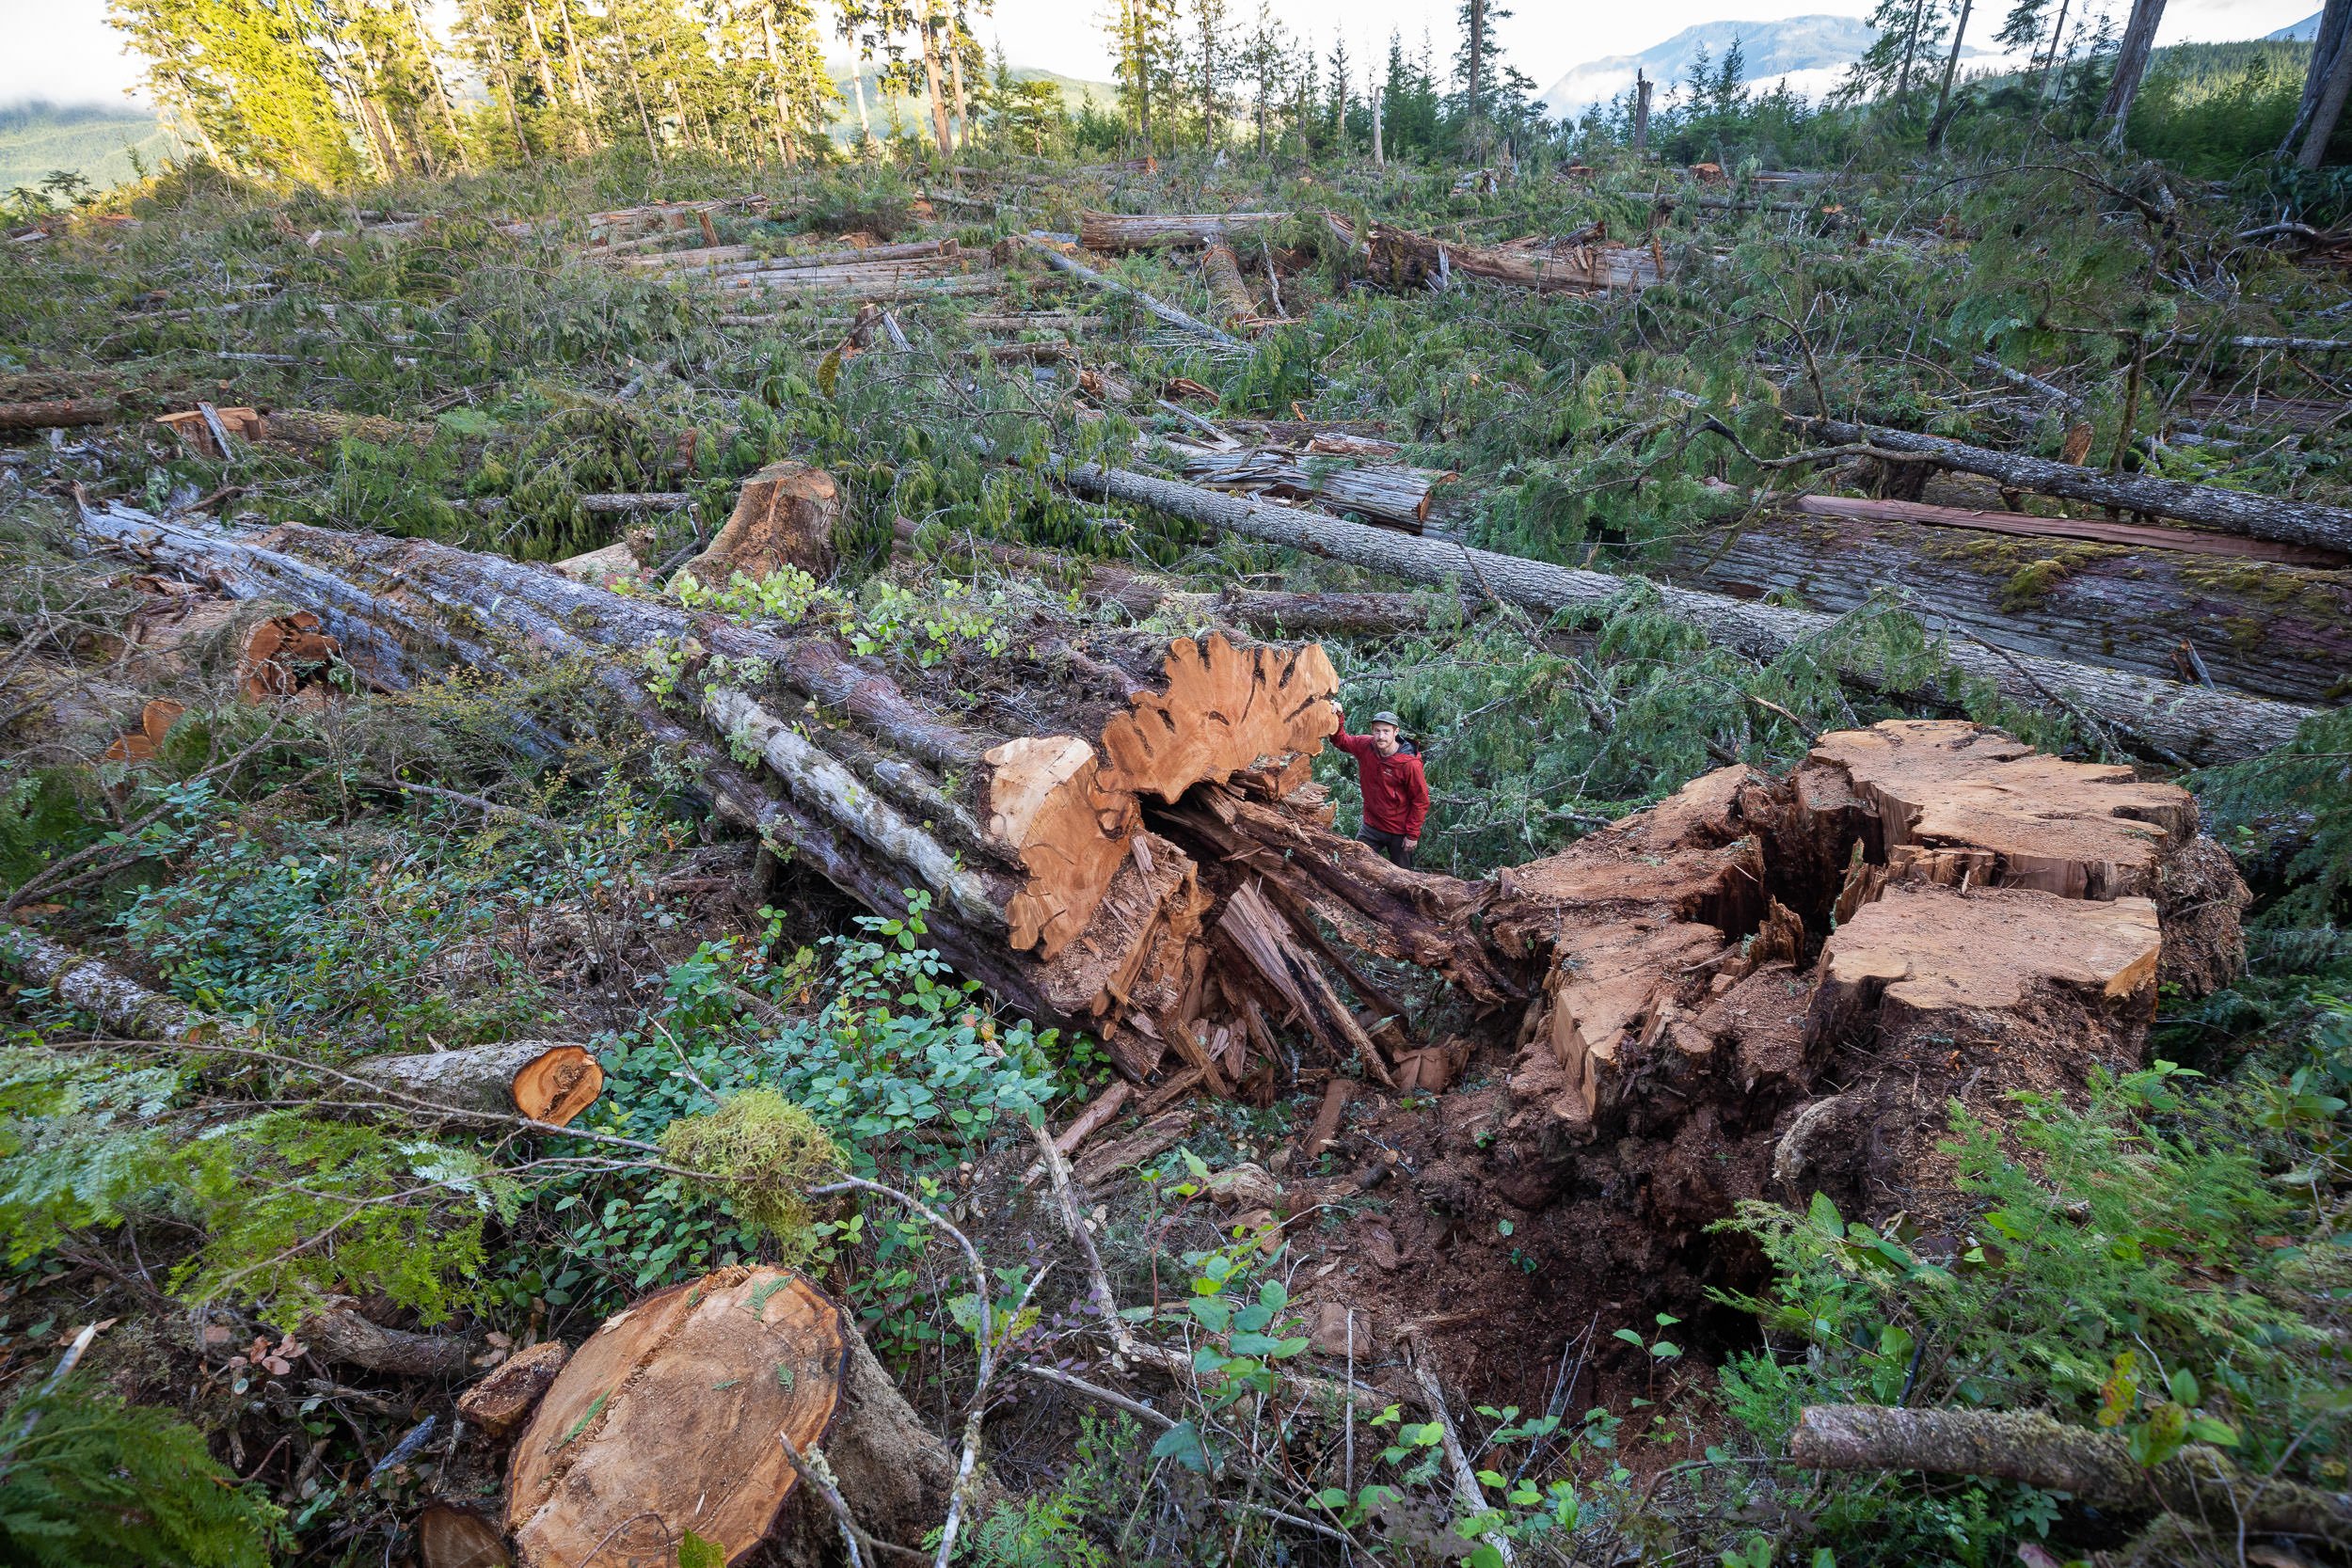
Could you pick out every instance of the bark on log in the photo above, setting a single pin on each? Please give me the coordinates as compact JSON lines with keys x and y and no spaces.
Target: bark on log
{"x":2274,"y":631}
{"x":666,"y":1421}
{"x":2093,"y":530}
{"x":51,"y":416}
{"x":2236,"y":510}
{"x":119,"y":1002}
{"x":2194,"y":725}
{"x":343,"y":1335}
{"x":846,"y":277}
{"x":1108,"y":233}
{"x":2199,"y":1482}
{"x":1158,"y":308}
{"x":724,"y":259}
{"x":1383,"y":491}
{"x":1222,"y":269}
{"x":1141,"y":596}
{"x":1053,"y":887}
{"x":549,"y":1081}
{"x":1403,"y":260}
{"x":783,"y":517}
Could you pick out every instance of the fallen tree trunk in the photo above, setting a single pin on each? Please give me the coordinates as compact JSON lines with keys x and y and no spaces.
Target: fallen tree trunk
{"x":50,"y":416}
{"x":1158,"y":308}
{"x":2258,"y":516}
{"x":549,"y":1081}
{"x":1221,"y":268}
{"x":2272,"y":631}
{"x":2197,"y":726}
{"x":2096,"y":1467}
{"x":1144,"y":594}
{"x":2091,"y":529}
{"x":119,"y":1002}
{"x":1403,"y":260}
{"x":731,"y":259}
{"x":1107,"y":232}
{"x":1061,"y":874}
{"x":1384,"y":492}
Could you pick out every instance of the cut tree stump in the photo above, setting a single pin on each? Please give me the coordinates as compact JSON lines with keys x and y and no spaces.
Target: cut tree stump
{"x":1953,"y":803}
{"x":549,"y":1081}
{"x":785,"y":517}
{"x":666,"y":1421}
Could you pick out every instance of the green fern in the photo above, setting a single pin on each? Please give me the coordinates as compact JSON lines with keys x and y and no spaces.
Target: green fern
{"x":89,"y":1482}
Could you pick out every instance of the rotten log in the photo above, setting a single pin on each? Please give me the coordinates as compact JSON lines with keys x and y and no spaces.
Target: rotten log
{"x":2268,"y":630}
{"x":783,"y":517}
{"x":2258,"y":516}
{"x":1403,"y":260}
{"x":1986,"y":919}
{"x":2187,"y":722}
{"x":54,"y":414}
{"x":1158,"y":308}
{"x":1108,"y":233}
{"x":549,"y":1081}
{"x":2095,"y":1468}
{"x":1383,"y":491}
{"x":667,"y":1419}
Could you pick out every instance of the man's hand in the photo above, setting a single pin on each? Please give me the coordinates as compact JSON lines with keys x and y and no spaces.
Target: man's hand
{"x":1411,"y":844}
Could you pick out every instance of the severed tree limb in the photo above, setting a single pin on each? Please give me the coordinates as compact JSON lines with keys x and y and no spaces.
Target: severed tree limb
{"x":2200,"y":725}
{"x":2199,"y":1482}
{"x":340,"y":1334}
{"x":95,"y":986}
{"x":1157,"y":308}
{"x":1467,"y":1496}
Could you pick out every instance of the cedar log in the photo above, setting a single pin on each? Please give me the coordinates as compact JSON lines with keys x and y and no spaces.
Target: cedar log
{"x":2194,"y":725}
{"x":2258,"y":516}
{"x":50,"y":416}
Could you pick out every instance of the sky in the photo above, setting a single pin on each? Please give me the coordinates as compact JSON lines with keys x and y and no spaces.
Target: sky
{"x":63,"y":51}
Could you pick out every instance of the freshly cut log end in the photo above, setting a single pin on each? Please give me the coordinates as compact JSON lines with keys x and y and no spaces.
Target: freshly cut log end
{"x":666,"y":1421}
{"x":155,"y":722}
{"x":785,"y":517}
{"x":285,"y":656}
{"x":558,"y":1085}
{"x":550,"y":1080}
{"x":1047,"y":804}
{"x":1225,"y":707}
{"x":503,"y":1400}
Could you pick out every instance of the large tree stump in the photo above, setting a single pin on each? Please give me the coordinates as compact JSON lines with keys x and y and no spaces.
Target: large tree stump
{"x":784,"y":517}
{"x":666,"y":1421}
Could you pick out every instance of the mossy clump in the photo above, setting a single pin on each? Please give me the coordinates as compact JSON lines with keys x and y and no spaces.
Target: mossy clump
{"x":760,"y":1153}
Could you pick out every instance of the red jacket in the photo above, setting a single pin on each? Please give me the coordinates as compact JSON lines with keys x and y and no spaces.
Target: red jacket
{"x":1396,"y":792}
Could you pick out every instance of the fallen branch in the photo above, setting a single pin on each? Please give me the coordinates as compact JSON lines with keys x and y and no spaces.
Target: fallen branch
{"x":2094,"y":1467}
{"x":1157,"y":308}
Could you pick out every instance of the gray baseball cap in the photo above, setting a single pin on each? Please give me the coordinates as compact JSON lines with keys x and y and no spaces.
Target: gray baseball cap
{"x":1385,"y":717}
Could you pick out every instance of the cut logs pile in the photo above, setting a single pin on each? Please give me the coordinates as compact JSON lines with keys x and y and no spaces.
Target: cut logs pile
{"x":1124,"y":841}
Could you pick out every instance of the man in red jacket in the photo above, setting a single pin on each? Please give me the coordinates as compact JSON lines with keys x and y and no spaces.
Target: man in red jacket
{"x":1397,"y":793}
